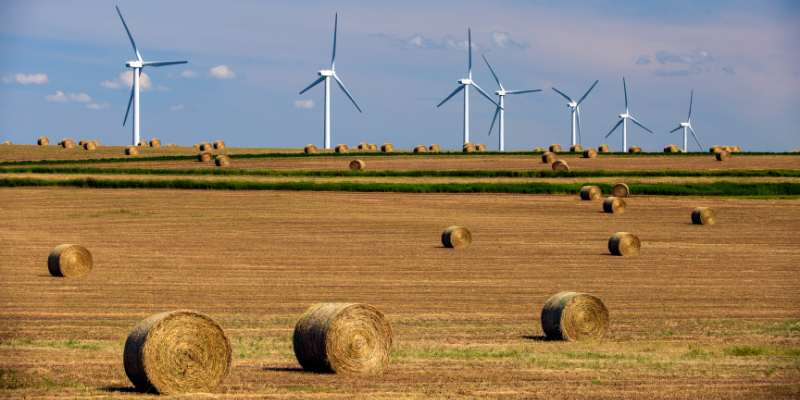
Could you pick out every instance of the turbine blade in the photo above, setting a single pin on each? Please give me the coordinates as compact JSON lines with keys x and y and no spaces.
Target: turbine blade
{"x":486,"y":95}
{"x":341,"y":85}
{"x":523,"y":91}
{"x":469,"y":44}
{"x":493,"y":74}
{"x":587,"y":92}
{"x":163,"y":63}
{"x":578,"y":111}
{"x":460,"y":87}
{"x":625,"y":88}
{"x":615,"y":127}
{"x":695,"y":138}
{"x":691,"y":98}
{"x":138,"y":57}
{"x":637,"y":123}
{"x":321,"y":78}
{"x":335,"y":27}
{"x":679,"y":127}
{"x":497,"y":111}
{"x":129,"y":107}
{"x":565,"y":96}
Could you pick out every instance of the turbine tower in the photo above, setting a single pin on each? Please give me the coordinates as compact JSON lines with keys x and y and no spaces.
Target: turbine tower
{"x":464,"y":85}
{"x":623,"y":121}
{"x":688,"y":124}
{"x":502,"y":93}
{"x":325,"y":75}
{"x":576,"y":112}
{"x":137,"y":69}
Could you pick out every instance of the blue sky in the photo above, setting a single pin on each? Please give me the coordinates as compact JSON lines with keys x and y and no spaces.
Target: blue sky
{"x":61,"y":66}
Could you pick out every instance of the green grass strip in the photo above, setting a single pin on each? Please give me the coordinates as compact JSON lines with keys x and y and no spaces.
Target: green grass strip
{"x":768,"y":173}
{"x":690,"y":189}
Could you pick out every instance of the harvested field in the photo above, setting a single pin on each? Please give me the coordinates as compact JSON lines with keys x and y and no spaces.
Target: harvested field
{"x":701,"y":312}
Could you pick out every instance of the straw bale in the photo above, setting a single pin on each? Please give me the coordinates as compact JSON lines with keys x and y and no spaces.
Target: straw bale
{"x":728,"y":148}
{"x":142,"y":144}
{"x":576,"y":148}
{"x":206,"y":147}
{"x":624,"y":244}
{"x":68,"y":144}
{"x":574,"y":316}
{"x":555,"y":148}
{"x":70,"y":261}
{"x":480,"y":147}
{"x":223,"y":161}
{"x":591,"y":193}
{"x":634,"y":149}
{"x":469,"y":144}
{"x":155,"y":142}
{"x":590,"y":153}
{"x":456,"y":237}
{"x":620,"y":190}
{"x":344,"y":338}
{"x":311,"y":149}
{"x":560,"y":165}
{"x":420,"y":149}
{"x":342,"y":148}
{"x":539,"y":149}
{"x":7,"y":143}
{"x":357,"y":165}
{"x":82,"y":141}
{"x":219,"y":144}
{"x":96,"y":143}
{"x":387,"y":147}
{"x":363,"y":146}
{"x":671,"y":148}
{"x":177,"y":352}
{"x":172,"y":145}
{"x":704,"y":216}
{"x":795,"y":151}
{"x":614,"y":205}
{"x":603,"y":148}
{"x":196,"y":145}
{"x":736,"y":149}
{"x":88,"y":145}
{"x":43,"y":141}
{"x":724,"y":155}
{"x":132,"y":150}
{"x":373,"y":146}
{"x":204,"y":157}
{"x":714,"y":149}
{"x":549,"y":157}
{"x":469,"y":148}
{"x":434,"y":147}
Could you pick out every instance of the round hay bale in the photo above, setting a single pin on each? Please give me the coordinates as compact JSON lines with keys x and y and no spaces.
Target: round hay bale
{"x":714,"y":149}
{"x":560,"y":165}
{"x":206,"y":147}
{"x":634,"y":149}
{"x":223,"y":161}
{"x":387,"y":147}
{"x":208,"y":143}
{"x":614,"y":205}
{"x":736,"y":149}
{"x":469,"y":144}
{"x":620,"y":190}
{"x":204,"y":157}
{"x":591,"y":193}
{"x":538,"y":149}
{"x":795,"y":151}
{"x":671,"y":149}
{"x":468,"y":148}
{"x":7,"y":143}
{"x":81,"y":142}
{"x":172,"y":145}
{"x":434,"y":147}
{"x":70,"y":261}
{"x":729,"y":149}
{"x":342,"y":148}
{"x":576,"y":148}
{"x":704,"y":216}
{"x":681,"y":151}
{"x":357,"y":165}
{"x":574,"y":316}
{"x":373,"y":146}
{"x":724,"y":155}
{"x":420,"y":149}
{"x":590,"y":153}
{"x":96,"y":143}
{"x":624,"y":244}
{"x":142,"y":144}
{"x":456,"y":237}
{"x":132,"y":150}
{"x":555,"y":148}
{"x":219,"y":144}
{"x":549,"y":157}
{"x":43,"y":141}
{"x":155,"y":142}
{"x":603,"y":148}
{"x":311,"y":149}
{"x":196,"y":145}
{"x":362,"y":146}
{"x":89,"y":145}
{"x":480,"y":147}
{"x":59,"y":142}
{"x":68,"y":144}
{"x":343,"y":338}
{"x":177,"y":352}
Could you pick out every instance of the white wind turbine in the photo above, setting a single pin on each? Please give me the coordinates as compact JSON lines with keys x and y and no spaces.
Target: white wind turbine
{"x":576,"y":111}
{"x":464,"y":85}
{"x":137,"y":69}
{"x":688,"y":124}
{"x":502,"y":93}
{"x":325,"y":75}
{"x":624,"y":119}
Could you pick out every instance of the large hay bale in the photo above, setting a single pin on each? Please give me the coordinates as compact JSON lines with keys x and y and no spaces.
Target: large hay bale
{"x":311,"y":149}
{"x":96,"y":143}
{"x":387,"y":147}
{"x":704,"y":216}
{"x":132,"y":150}
{"x":207,"y":143}
{"x":420,"y":149}
{"x":614,"y":205}
{"x":591,"y":193}
{"x":634,"y":149}
{"x":82,"y":141}
{"x":724,"y":155}
{"x":574,"y":317}
{"x":155,"y":142}
{"x":68,"y":144}
{"x":624,"y":244}
{"x":795,"y":151}
{"x":342,"y":148}
{"x":142,"y":144}
{"x":456,"y":237}
{"x":196,"y":145}
{"x":434,"y":147}
{"x":620,"y":190}
{"x":206,"y":147}
{"x":728,"y":148}
{"x":177,"y":352}
{"x":70,"y":261}
{"x":555,"y":148}
{"x":373,"y":146}
{"x":172,"y":145}
{"x":357,"y":165}
{"x":363,"y":146}
{"x":736,"y":149}
{"x":714,"y":149}
{"x":576,"y":148}
{"x":7,"y":143}
{"x":560,"y":165}
{"x":535,"y":149}
{"x":549,"y":157}
{"x":603,"y":148}
{"x":219,"y":144}
{"x":223,"y":161}
{"x":671,"y":148}
{"x":468,"y":148}
{"x":469,"y":144}
{"x":88,"y":145}
{"x":43,"y":141}
{"x":480,"y":147}
{"x":590,"y":153}
{"x":204,"y":157}
{"x":343,"y":338}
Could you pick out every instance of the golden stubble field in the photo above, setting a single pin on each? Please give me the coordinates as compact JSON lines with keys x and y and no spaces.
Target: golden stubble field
{"x":702,"y":312}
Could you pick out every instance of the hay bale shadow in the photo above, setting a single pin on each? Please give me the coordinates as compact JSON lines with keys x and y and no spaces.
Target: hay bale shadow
{"x":539,"y":338}
{"x":126,"y":389}
{"x":291,"y":369}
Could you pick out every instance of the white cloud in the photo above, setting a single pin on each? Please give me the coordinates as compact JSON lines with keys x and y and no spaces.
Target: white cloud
{"x":178,"y":107}
{"x":125,"y":81}
{"x":26,"y":79}
{"x":94,"y":106}
{"x":304,"y":103}
{"x":222,"y":72}
{"x":190,"y":74}
{"x":419,"y":42}
{"x":503,"y":41}
{"x":60,"y":97}
{"x":696,"y":57}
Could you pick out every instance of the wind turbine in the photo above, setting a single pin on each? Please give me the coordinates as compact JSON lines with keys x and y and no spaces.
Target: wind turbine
{"x":502,"y":93}
{"x":576,"y":112}
{"x":688,"y":124}
{"x":325,"y":75}
{"x":137,"y":69}
{"x":624,"y":119}
{"x":464,"y":85}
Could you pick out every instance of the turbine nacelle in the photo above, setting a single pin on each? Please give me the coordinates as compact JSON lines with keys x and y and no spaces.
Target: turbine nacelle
{"x":325,"y":73}
{"x":624,"y":116}
{"x":500,"y":92}
{"x":684,"y":124}
{"x":465,"y":81}
{"x":135,"y":64}
{"x":572,"y":105}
